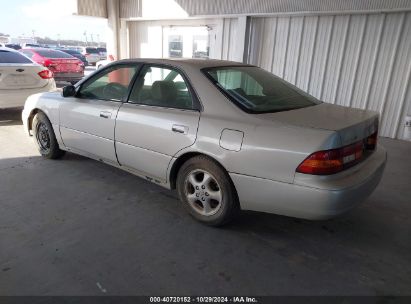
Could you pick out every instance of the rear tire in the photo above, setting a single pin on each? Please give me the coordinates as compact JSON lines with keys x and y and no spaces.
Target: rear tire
{"x":45,"y":138}
{"x":207,"y":191}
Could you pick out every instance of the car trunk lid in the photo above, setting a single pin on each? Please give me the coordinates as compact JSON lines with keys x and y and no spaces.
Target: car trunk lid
{"x":351,"y":124}
{"x":18,"y":76}
{"x":65,"y":65}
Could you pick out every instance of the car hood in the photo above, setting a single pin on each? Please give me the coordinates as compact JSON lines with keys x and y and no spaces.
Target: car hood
{"x":351,"y":124}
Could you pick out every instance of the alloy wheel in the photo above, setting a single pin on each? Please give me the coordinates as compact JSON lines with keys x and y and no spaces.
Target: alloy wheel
{"x":203,"y":192}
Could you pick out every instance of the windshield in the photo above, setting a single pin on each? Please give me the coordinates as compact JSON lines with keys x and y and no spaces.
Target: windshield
{"x":71,"y":52}
{"x":258,"y":91}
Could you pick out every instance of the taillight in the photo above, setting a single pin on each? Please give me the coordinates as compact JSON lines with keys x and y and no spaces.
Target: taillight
{"x":322,"y":163}
{"x":333,"y":161}
{"x":46,"y":74}
{"x":48,"y":63}
{"x":371,"y":142}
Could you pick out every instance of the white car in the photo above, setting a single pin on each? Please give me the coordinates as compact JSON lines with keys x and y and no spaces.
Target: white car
{"x":102,"y":63}
{"x":228,"y":136}
{"x":92,"y":55}
{"x":20,"y":77}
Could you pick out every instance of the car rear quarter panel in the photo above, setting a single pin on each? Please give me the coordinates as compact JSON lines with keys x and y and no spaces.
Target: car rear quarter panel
{"x":267,"y":151}
{"x":270,"y":149}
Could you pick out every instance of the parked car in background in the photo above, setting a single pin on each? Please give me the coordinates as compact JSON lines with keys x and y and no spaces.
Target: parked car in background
{"x":92,"y":55}
{"x":13,"y":46}
{"x":261,"y":144}
{"x":64,"y":66}
{"x":103,"y":53}
{"x":76,"y":54}
{"x":75,"y":48}
{"x":20,"y":77}
{"x":102,"y":63}
{"x":31,"y":45}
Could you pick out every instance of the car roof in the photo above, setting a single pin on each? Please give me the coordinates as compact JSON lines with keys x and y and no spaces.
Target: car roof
{"x":190,"y":63}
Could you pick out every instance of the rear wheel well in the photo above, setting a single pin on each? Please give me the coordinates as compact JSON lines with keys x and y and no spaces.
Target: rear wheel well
{"x":181,"y":160}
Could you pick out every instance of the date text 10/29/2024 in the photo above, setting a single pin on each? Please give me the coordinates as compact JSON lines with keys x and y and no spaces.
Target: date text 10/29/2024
{"x":203,"y":300}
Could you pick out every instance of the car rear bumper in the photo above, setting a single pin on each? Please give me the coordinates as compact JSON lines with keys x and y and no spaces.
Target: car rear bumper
{"x":313,"y":197}
{"x":68,"y":76}
{"x":17,"y":98}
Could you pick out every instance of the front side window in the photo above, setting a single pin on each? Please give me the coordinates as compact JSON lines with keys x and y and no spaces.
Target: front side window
{"x":112,"y":84}
{"x":13,"y":57}
{"x":163,"y":87}
{"x":258,"y":91}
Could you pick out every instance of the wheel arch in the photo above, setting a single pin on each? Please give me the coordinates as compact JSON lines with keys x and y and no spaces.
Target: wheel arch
{"x":31,"y":117}
{"x":178,"y":163}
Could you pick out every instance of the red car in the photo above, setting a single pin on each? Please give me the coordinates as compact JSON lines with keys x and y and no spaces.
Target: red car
{"x":64,"y":66}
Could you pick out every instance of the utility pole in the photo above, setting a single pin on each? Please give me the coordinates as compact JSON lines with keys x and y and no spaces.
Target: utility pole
{"x":85,"y":37}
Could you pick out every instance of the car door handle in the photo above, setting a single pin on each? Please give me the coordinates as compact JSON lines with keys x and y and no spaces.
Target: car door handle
{"x":179,"y":129}
{"x":105,"y":114}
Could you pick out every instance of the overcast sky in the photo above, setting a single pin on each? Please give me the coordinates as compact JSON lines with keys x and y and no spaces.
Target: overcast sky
{"x":48,"y":18}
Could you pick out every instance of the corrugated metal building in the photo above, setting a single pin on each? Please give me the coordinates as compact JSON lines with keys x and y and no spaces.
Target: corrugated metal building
{"x":353,"y":53}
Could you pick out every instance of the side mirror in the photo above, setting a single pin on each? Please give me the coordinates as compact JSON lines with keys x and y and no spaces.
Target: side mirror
{"x":69,"y":91}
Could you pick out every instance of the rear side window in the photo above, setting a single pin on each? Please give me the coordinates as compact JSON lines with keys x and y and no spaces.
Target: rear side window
{"x":13,"y":57}
{"x":161,"y":87}
{"x":53,"y":54}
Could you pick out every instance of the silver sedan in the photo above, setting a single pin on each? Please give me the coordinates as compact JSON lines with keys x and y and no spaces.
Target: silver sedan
{"x":227,"y":136}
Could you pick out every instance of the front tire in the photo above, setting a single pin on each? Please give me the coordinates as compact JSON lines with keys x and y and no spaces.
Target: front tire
{"x":207,"y":191}
{"x":44,"y":137}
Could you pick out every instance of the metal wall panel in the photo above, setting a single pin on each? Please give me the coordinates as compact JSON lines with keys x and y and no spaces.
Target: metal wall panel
{"x":228,"y":39}
{"x":358,"y":60}
{"x":94,"y":8}
{"x":130,"y":8}
{"x":250,"y":7}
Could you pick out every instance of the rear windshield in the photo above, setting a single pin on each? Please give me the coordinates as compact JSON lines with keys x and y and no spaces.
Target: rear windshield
{"x":53,"y":54}
{"x":102,"y":49}
{"x":257,"y":91}
{"x":91,"y":51}
{"x":13,"y":57}
{"x":72,"y":52}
